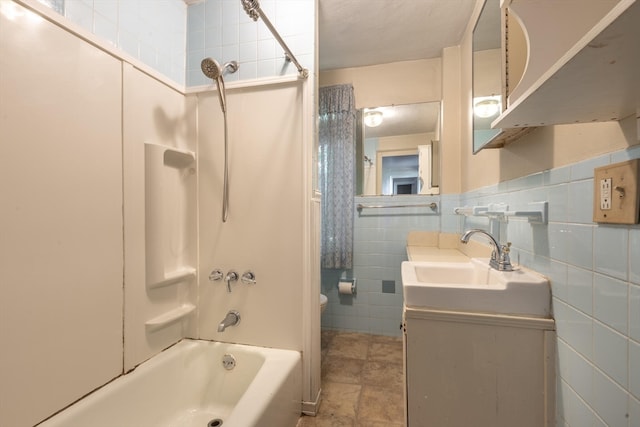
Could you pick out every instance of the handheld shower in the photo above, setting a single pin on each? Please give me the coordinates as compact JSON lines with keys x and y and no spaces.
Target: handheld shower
{"x":212,"y":69}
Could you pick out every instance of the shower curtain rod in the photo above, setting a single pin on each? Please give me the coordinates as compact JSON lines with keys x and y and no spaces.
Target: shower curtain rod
{"x":252,"y":7}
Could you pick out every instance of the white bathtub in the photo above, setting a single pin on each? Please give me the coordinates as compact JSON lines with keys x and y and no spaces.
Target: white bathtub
{"x":188,"y":386}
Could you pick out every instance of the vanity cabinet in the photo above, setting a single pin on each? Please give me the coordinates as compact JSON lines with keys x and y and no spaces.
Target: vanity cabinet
{"x":474,"y":369}
{"x":582,"y":62}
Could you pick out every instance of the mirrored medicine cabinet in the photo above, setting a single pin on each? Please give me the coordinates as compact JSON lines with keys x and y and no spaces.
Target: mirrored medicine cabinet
{"x":494,"y":75}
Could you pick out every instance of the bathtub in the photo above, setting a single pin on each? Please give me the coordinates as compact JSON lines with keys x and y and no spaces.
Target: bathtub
{"x":193,"y":384}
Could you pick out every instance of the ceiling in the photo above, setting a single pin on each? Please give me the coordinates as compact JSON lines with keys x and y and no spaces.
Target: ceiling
{"x":356,"y":33}
{"x":405,"y":120}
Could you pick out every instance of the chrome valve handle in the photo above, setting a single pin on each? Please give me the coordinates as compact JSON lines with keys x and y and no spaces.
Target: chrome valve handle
{"x":215,"y":275}
{"x":232,"y":276}
{"x":249,"y":278}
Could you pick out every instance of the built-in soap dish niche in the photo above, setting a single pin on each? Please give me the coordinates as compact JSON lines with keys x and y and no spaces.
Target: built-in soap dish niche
{"x":170,"y":317}
{"x":535,"y":212}
{"x":170,"y":209}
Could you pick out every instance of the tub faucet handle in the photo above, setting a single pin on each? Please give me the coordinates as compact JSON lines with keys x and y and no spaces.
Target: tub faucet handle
{"x":232,"y":276}
{"x":249,"y":278}
{"x":215,"y":275}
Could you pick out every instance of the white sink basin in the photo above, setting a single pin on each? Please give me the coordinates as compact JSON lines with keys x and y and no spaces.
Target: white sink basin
{"x":474,"y":286}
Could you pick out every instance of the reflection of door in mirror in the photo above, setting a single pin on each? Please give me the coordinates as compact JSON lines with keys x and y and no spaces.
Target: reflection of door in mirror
{"x":397,"y":172}
{"x":397,"y":149}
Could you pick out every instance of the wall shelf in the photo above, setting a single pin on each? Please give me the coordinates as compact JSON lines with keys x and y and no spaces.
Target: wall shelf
{"x":536,"y":212}
{"x":174,"y":277}
{"x":595,"y":80}
{"x":169,"y":317}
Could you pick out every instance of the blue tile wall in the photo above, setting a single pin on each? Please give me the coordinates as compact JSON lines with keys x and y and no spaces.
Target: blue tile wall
{"x":379,"y":249}
{"x":173,"y":38}
{"x":595,"y":284}
{"x":222,"y":30}
{"x":153,"y":32}
{"x":594,"y":271}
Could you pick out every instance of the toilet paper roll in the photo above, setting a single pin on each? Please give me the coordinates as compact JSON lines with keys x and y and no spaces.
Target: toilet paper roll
{"x":347,"y":288}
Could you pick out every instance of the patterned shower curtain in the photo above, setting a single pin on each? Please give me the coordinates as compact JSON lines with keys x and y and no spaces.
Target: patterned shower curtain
{"x":337,"y":123}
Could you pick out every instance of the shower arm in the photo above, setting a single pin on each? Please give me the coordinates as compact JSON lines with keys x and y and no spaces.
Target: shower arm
{"x":252,"y":7}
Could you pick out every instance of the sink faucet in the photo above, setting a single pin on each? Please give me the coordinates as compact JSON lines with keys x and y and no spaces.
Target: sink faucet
{"x":499,"y":255}
{"x":231,"y":319}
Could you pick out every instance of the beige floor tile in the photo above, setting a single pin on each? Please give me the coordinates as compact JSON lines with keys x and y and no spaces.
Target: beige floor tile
{"x":368,"y":423}
{"x":339,"y":400}
{"x":349,"y":345}
{"x":385,"y":352}
{"x":325,"y":338}
{"x":342,"y":370}
{"x":376,"y":404}
{"x":362,"y":382}
{"x":382,"y":374}
{"x":326,"y":421}
{"x":387,"y":339}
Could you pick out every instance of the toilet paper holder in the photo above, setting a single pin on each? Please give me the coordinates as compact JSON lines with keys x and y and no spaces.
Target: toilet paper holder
{"x":347,"y":286}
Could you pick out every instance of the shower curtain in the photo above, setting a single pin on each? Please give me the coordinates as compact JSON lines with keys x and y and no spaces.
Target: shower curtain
{"x":337,"y":122}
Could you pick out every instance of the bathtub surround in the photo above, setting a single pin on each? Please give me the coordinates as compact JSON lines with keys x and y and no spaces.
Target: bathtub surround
{"x":81,"y":238}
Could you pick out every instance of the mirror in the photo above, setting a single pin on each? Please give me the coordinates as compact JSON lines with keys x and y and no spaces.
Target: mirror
{"x":487,"y":75}
{"x":397,"y":150}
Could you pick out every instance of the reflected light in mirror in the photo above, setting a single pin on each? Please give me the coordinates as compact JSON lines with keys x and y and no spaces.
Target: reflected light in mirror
{"x":373,"y":118}
{"x":486,"y":107}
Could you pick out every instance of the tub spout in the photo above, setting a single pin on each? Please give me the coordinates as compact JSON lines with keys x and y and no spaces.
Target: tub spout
{"x":231,"y":319}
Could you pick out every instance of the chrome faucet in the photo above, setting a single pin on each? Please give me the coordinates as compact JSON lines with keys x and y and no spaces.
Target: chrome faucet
{"x":231,"y":319}
{"x":499,"y":255}
{"x":231,"y":276}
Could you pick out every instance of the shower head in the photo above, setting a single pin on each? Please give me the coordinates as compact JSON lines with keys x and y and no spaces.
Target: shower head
{"x":211,"y":68}
{"x":214,"y":71}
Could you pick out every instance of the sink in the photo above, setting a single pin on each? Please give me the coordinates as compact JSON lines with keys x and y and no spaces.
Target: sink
{"x":474,"y":286}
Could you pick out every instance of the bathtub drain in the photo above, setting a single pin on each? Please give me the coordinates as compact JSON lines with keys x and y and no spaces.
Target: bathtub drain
{"x":216,"y":422}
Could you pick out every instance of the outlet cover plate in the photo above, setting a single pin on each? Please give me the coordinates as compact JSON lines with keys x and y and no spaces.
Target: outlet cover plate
{"x":623,"y":189}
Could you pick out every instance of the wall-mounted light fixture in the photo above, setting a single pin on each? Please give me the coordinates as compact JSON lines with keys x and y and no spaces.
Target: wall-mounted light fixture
{"x":373,"y":118}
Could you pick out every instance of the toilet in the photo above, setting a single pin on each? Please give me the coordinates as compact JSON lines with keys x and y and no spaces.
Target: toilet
{"x":323,"y":303}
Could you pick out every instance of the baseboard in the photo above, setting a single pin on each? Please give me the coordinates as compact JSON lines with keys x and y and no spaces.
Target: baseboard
{"x":311,"y":408}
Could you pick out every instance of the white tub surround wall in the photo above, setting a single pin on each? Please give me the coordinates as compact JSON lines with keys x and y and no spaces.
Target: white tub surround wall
{"x":74,"y":178}
{"x":159,"y":216}
{"x":61,"y":252}
{"x":265,"y":224}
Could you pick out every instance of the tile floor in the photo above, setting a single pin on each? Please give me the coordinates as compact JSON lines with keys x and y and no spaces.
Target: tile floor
{"x":362,"y":382}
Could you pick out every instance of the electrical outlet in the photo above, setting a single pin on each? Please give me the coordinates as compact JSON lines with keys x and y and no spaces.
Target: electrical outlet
{"x":616,"y":193}
{"x":605,"y":194}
